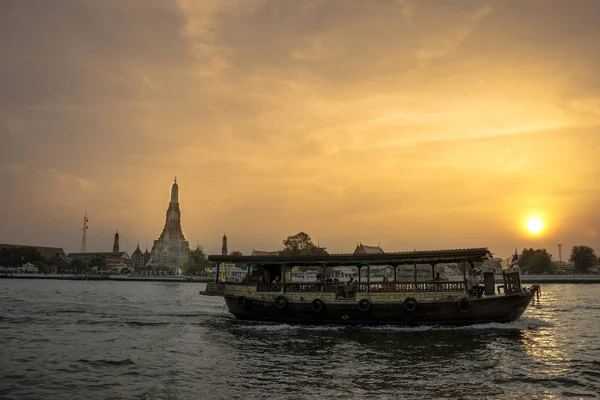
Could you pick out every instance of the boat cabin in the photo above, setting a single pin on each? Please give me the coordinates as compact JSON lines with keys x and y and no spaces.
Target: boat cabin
{"x":275,"y":273}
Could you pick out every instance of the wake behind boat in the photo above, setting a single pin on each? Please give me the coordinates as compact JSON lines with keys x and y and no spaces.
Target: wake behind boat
{"x":434,"y":302}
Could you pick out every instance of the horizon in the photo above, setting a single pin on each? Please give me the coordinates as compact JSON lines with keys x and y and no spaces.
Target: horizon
{"x":412,"y":125}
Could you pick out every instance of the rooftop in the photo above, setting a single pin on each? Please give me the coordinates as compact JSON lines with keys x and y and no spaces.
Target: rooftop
{"x":408,"y":257}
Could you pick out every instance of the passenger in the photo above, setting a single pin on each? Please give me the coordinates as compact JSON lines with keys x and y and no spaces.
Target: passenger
{"x":385,"y":279}
{"x":474,"y":280}
{"x":351,"y":281}
{"x":277,"y":283}
{"x":437,"y":277}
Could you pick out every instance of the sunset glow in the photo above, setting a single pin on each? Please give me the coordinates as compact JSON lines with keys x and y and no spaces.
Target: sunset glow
{"x":413,"y":124}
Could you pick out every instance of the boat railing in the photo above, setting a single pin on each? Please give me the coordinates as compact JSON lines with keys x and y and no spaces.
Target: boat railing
{"x":411,"y":287}
{"x":363,"y":287}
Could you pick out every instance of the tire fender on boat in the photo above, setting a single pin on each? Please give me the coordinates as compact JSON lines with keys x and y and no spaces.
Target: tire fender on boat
{"x":364,"y":305}
{"x":280,"y":302}
{"x":318,"y":305}
{"x":410,"y":304}
{"x":464,"y":305}
{"x":241,"y":301}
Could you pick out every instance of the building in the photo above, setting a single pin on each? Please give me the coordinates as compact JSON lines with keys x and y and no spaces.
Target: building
{"x":116,"y":243}
{"x":264,"y":253}
{"x":113,"y":259}
{"x":137,"y":259}
{"x":364,"y":249}
{"x":224,"y":251}
{"x":171,"y":249}
{"x":49,"y":253}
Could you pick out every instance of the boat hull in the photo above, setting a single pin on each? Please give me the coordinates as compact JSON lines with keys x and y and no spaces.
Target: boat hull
{"x":502,"y":308}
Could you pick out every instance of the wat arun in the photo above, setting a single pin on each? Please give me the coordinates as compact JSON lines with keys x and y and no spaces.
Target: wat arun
{"x":171,"y":249}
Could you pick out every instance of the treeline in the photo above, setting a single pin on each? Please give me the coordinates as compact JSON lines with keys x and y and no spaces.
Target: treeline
{"x":15,"y":257}
{"x":298,"y":244}
{"x":539,"y":261}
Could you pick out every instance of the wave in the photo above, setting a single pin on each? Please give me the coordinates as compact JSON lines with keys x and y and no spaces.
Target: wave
{"x":145,"y":323}
{"x":519,"y":325}
{"x":102,"y":362}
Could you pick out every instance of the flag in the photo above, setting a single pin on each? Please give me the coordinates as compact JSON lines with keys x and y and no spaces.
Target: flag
{"x":506,"y":263}
{"x":515,"y":261}
{"x":223,"y":273}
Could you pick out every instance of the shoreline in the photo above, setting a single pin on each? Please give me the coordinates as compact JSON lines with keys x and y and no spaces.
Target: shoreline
{"x":121,"y":278}
{"x":525,"y":279}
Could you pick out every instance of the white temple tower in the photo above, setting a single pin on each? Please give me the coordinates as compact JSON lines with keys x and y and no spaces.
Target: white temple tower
{"x":171,"y":249}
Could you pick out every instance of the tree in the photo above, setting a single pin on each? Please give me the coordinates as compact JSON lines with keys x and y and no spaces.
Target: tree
{"x":537,"y":261}
{"x":17,"y":256}
{"x":584,"y":257}
{"x":98,"y":261}
{"x":78,"y":266}
{"x":63,"y":267}
{"x":42,"y":267}
{"x":301,"y":244}
{"x":236,"y":253}
{"x":196,"y":262}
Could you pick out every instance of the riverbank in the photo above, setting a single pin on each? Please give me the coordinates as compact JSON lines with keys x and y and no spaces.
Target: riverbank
{"x":127,"y":278}
{"x":525,"y":279}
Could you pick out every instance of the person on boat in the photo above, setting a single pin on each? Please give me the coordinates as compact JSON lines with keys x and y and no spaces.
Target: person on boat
{"x":474,"y":280}
{"x":385,"y":278}
{"x":437,"y":277}
{"x":351,"y":281}
{"x":277,"y":283}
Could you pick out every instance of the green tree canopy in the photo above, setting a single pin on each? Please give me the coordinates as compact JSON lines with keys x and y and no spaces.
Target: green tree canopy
{"x":301,"y":244}
{"x":63,"y":267}
{"x":42,"y":267}
{"x":17,"y":256}
{"x":98,"y":261}
{"x":537,"y":261}
{"x":236,"y":253}
{"x":78,"y":266}
{"x":583,"y":257}
{"x":196,"y":262}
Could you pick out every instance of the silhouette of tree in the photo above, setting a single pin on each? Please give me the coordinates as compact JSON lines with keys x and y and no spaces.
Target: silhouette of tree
{"x":301,"y":244}
{"x":583,"y":257}
{"x":196,"y":262}
{"x":537,"y":261}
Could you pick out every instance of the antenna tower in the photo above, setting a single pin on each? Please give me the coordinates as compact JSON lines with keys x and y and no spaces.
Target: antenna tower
{"x":84,"y":236}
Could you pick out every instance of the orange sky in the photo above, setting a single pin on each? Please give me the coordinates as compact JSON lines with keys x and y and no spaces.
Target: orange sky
{"x":414,"y":124}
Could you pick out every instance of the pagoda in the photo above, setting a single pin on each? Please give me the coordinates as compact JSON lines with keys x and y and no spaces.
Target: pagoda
{"x":171,"y":249}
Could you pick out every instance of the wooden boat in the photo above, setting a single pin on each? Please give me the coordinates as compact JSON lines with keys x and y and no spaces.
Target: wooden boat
{"x":364,"y":302}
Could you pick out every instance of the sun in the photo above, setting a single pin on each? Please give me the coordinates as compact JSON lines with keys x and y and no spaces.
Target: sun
{"x":535,"y":225}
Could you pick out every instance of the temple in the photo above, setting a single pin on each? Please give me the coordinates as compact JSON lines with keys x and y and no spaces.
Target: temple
{"x":116,"y":243}
{"x":171,"y":249}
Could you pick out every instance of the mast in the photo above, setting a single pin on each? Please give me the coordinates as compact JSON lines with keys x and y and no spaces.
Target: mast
{"x":84,"y":236}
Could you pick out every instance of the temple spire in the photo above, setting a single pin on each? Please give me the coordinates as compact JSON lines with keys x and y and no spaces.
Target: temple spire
{"x":175,"y":192}
{"x":116,"y":243}
{"x":224,"y":247}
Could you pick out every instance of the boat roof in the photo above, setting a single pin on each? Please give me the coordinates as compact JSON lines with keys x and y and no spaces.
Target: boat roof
{"x":407,"y":257}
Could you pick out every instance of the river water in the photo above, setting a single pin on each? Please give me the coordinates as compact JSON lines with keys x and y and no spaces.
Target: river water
{"x":142,"y":340}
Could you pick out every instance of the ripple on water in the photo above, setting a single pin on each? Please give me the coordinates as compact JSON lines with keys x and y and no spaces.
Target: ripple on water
{"x":159,"y":341}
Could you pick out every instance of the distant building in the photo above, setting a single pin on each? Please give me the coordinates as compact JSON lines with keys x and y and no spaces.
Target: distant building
{"x":224,"y":251}
{"x":116,"y":243}
{"x":264,"y":253}
{"x":364,"y":249}
{"x":171,"y":249}
{"x":47,"y":252}
{"x":137,"y":259}
{"x":113,"y":259}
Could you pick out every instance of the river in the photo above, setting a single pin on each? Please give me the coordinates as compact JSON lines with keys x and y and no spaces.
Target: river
{"x":146,"y":340}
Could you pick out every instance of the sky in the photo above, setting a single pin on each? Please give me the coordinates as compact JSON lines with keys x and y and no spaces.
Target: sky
{"x":411,"y":124}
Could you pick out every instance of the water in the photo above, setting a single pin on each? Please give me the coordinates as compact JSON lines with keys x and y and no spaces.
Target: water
{"x":122,"y":340}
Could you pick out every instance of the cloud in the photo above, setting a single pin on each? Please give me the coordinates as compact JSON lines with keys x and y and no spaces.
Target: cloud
{"x":392,"y":121}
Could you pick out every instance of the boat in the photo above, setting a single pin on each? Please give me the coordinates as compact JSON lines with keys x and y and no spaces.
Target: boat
{"x":363,"y":302}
